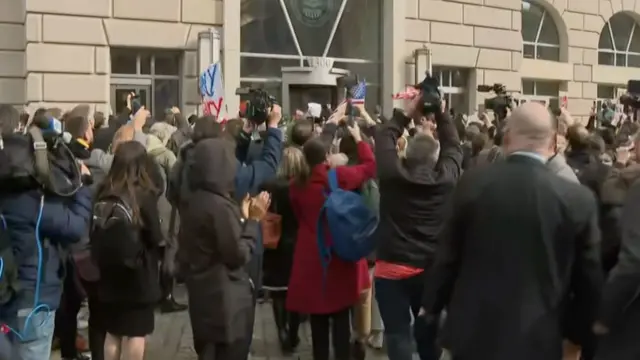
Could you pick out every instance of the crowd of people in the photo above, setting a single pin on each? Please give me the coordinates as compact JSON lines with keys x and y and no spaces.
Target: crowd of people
{"x":493,"y":239}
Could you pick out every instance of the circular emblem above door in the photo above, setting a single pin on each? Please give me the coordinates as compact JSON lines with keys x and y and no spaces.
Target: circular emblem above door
{"x":313,"y":13}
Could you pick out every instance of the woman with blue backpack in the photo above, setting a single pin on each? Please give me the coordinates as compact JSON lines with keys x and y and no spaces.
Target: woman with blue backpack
{"x":329,"y":271}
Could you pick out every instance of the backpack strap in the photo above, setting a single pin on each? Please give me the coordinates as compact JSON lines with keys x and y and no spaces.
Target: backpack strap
{"x":41,"y":160}
{"x":332,"y":175}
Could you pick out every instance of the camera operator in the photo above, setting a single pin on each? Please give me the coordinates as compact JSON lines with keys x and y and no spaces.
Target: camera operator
{"x":39,"y":224}
{"x":413,"y":194}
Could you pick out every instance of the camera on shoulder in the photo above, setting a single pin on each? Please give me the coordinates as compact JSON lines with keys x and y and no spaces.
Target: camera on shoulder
{"x":431,"y":101}
{"x":499,"y":103}
{"x":259,"y":104}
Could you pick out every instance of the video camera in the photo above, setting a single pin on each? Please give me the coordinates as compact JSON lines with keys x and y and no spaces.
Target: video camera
{"x":431,"y":96}
{"x":632,"y":97}
{"x":499,"y":103}
{"x":39,"y":159}
{"x":259,"y":104}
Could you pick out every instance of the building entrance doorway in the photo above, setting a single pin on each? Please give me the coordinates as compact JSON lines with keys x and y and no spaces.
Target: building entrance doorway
{"x":119,"y":96}
{"x":301,"y":95}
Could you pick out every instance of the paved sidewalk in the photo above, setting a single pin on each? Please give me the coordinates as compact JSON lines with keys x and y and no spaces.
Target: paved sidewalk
{"x":173,"y":340}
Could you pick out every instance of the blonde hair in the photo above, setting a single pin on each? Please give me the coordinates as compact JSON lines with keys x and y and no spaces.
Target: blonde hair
{"x":293,"y":165}
{"x":124,"y":134}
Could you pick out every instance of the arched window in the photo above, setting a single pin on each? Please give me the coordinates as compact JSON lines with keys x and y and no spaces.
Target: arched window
{"x":540,"y":39}
{"x":619,"y":43}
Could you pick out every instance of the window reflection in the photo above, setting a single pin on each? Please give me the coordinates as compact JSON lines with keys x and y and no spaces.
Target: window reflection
{"x":165,"y":95}
{"x":359,"y":32}
{"x":539,"y":34}
{"x":123,"y":62}
{"x":264,"y":68}
{"x":167,"y":64}
{"x":625,"y":47}
{"x":312,"y":22}
{"x":264,"y":28}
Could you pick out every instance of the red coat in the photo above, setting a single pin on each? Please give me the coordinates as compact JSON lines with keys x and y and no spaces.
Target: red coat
{"x":344,"y":280}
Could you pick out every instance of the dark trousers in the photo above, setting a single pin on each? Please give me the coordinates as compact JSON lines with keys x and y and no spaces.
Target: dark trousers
{"x":66,"y":322}
{"x":339,"y":325}
{"x":395,"y":299}
{"x":166,"y":284}
{"x":97,"y":333}
{"x":287,"y":322}
{"x":212,"y":351}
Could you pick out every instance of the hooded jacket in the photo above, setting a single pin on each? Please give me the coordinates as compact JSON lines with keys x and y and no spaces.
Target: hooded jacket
{"x":215,"y":245}
{"x":163,"y":156}
{"x":64,"y":221}
{"x":163,"y":131}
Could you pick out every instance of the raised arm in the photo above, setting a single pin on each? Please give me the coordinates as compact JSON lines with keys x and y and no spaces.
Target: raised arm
{"x":251,"y":176}
{"x":386,"y":138}
{"x":450,"y":160}
{"x":352,"y":177}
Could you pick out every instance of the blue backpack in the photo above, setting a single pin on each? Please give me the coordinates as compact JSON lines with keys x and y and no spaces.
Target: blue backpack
{"x":351,"y":222}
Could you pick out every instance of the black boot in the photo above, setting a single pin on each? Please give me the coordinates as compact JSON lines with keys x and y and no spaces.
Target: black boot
{"x":293,"y":319}
{"x":279,"y":315}
{"x":169,"y":305}
{"x":78,"y":357}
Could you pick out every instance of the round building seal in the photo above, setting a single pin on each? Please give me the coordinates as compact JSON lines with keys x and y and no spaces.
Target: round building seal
{"x":313,"y":13}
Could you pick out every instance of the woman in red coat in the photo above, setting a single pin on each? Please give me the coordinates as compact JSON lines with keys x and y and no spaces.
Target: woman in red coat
{"x":327,"y":299}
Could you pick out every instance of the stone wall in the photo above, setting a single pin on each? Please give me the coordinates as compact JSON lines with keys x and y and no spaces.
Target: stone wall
{"x":483,"y":35}
{"x":66,"y":59}
{"x":12,"y":56}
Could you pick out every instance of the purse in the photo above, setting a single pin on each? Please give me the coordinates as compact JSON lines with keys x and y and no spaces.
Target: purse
{"x":271,"y":229}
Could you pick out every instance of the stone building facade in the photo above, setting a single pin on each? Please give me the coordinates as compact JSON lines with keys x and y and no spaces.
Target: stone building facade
{"x":64,"y":52}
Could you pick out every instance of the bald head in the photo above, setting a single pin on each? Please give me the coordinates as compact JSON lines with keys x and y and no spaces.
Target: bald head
{"x":530,"y":128}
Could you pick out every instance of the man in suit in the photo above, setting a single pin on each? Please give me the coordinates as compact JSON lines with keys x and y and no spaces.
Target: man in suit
{"x":518,"y":241}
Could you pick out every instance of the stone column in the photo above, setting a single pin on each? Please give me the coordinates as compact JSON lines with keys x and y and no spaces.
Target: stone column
{"x":393,"y":51}
{"x":231,"y":55}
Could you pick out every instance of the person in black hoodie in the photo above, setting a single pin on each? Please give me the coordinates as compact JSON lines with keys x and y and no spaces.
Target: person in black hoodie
{"x":128,"y":295}
{"x":413,"y":194}
{"x":218,"y":238}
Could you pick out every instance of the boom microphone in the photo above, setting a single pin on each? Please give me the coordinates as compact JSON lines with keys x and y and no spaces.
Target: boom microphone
{"x":48,"y":124}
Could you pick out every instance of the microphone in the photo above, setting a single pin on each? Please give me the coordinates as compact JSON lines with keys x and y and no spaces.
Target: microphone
{"x":48,"y":124}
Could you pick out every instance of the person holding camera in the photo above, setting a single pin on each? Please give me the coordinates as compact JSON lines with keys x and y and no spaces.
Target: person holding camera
{"x":39,"y":225}
{"x":413,"y":194}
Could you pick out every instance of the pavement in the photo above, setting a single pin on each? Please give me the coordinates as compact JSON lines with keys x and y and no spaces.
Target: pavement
{"x":173,"y":340}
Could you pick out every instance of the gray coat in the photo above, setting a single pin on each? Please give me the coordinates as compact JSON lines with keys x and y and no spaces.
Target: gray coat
{"x":558,"y":165}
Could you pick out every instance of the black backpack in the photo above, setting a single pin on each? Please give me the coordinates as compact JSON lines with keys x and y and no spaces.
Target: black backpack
{"x":115,"y":239}
{"x":8,"y":266}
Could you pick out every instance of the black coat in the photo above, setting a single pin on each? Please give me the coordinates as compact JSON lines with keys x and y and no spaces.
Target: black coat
{"x":620,"y":310}
{"x":277,"y":262}
{"x":142,"y":285}
{"x":413,"y":196}
{"x":519,"y":241}
{"x":215,"y":245}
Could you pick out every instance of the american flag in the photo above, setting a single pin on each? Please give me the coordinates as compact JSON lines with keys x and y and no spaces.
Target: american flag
{"x":409,"y":93}
{"x":359,"y":92}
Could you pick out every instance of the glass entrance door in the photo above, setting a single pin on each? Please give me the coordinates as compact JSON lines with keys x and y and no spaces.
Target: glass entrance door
{"x":119,"y":96}
{"x":301,"y":95}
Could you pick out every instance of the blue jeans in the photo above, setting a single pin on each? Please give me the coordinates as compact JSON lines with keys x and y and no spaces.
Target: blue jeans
{"x":398,"y":300}
{"x":35,"y":341}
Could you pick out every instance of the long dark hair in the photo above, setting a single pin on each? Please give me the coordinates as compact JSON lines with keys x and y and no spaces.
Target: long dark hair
{"x":129,"y":173}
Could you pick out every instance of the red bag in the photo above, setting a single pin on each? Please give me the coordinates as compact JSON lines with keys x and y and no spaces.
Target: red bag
{"x":271,"y":230}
